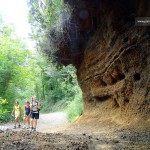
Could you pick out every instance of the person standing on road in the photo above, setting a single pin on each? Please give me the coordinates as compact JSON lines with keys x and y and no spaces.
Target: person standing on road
{"x":26,"y":115}
{"x":17,"y":113}
{"x":35,"y":108}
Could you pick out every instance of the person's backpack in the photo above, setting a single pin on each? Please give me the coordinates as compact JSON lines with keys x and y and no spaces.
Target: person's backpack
{"x":37,"y":104}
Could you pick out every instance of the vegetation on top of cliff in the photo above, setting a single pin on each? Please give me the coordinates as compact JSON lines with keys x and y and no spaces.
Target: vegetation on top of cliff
{"x":47,"y":17}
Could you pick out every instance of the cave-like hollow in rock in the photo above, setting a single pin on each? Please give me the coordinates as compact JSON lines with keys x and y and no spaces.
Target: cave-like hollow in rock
{"x":111,"y":52}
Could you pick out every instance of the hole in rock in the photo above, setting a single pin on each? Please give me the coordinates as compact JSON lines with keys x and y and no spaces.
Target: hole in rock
{"x":102,"y":83}
{"x":125,"y":40}
{"x":137,"y":77}
{"x":116,"y":103}
{"x":126,"y":100}
{"x":102,"y":98}
{"x":120,"y":76}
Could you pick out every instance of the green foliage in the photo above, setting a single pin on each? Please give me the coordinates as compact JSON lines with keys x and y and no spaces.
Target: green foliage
{"x":58,"y":88}
{"x":61,"y":91}
{"x":59,"y":83}
{"x":75,"y":107}
{"x":24,"y":73}
{"x":43,"y":15}
{"x":47,"y":17}
{"x":18,"y":68}
{"x":60,"y":106}
{"x":4,"y":111}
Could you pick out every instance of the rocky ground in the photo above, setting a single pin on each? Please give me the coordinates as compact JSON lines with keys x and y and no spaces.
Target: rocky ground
{"x":16,"y":140}
{"x":90,"y":136}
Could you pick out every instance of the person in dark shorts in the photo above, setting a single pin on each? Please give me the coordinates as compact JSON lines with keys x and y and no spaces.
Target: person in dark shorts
{"x":35,"y":107}
{"x":26,"y":115}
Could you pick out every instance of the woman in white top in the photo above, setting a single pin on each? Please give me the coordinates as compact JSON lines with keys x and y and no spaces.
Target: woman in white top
{"x":35,"y":107}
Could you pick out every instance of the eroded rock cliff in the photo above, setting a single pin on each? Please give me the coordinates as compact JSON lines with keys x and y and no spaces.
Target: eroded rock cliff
{"x":112,"y":56}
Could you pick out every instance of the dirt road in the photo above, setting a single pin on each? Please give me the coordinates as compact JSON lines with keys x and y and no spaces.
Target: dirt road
{"x":50,"y":122}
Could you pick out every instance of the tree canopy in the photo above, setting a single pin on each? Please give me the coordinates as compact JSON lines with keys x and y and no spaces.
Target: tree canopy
{"x":25,"y":72}
{"x":15,"y":64}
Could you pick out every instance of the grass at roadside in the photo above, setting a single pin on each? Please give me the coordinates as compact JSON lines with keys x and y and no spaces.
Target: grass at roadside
{"x":75,"y":108}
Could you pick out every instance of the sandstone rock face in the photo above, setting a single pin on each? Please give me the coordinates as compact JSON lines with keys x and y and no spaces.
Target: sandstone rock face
{"x":117,"y":75}
{"x":113,"y":63}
